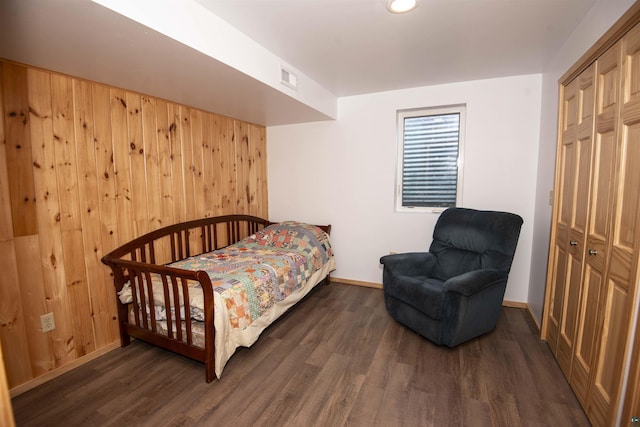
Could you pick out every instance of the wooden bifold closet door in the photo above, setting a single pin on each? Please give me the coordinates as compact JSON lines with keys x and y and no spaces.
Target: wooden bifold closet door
{"x":570,"y":228}
{"x":595,"y":248}
{"x":630,"y":129}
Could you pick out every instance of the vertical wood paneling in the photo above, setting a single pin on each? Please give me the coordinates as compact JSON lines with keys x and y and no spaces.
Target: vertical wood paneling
{"x":12,"y":326}
{"x":77,"y":293}
{"x":137,"y":164}
{"x":243,"y":168}
{"x":188,"y":170}
{"x":103,"y":298}
{"x":175,"y":156}
{"x":198,"y":144}
{"x":87,"y":149}
{"x":6,"y":411}
{"x":105,"y":165}
{"x":217,"y":131}
{"x":228,"y":181}
{"x":33,"y":298}
{"x":49,"y":217}
{"x":13,"y":334}
{"x":6,"y":223}
{"x":70,"y":295}
{"x":258,"y":175}
{"x":152,"y":162}
{"x":64,"y":137}
{"x":18,"y":148}
{"x":188,"y":167}
{"x":164,"y":161}
{"x":122,"y":165}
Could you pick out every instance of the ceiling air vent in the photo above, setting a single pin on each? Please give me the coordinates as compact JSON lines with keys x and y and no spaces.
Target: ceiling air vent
{"x":288,"y":79}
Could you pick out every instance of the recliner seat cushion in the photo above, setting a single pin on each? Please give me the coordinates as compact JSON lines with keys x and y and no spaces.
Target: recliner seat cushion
{"x":422,"y":293}
{"x":414,"y":318}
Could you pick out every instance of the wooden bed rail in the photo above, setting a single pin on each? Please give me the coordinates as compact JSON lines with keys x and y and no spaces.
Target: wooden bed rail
{"x":180,"y":241}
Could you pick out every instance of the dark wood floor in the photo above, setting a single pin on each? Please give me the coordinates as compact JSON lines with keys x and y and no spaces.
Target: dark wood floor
{"x":336,"y":359}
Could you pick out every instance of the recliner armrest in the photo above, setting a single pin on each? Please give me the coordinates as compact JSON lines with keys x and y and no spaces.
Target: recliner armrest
{"x":411,"y":263}
{"x":472,"y":282}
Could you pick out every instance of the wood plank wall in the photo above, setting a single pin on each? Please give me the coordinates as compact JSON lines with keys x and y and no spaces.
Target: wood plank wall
{"x":83,"y":168}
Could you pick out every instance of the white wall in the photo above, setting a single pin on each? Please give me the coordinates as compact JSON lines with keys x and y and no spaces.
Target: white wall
{"x":343,"y":172}
{"x":601,"y":17}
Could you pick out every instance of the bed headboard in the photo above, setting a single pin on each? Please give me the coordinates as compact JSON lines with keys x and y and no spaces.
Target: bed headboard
{"x":179,"y":241}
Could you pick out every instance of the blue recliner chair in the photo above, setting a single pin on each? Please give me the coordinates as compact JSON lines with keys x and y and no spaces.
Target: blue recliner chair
{"x":454,"y":292}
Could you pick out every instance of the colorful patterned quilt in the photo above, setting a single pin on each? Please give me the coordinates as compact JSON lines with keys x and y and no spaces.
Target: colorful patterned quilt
{"x":265,"y":268}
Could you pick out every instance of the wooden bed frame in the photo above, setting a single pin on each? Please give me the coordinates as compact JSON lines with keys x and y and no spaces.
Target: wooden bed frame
{"x":147,"y":254}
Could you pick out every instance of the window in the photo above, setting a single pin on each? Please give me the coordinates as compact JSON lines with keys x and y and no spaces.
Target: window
{"x":429,"y":158}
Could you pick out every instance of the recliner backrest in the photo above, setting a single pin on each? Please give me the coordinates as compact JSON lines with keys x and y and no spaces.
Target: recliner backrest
{"x":468,"y":239}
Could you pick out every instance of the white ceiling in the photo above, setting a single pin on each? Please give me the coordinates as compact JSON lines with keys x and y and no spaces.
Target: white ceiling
{"x":347,"y":46}
{"x":356,"y":46}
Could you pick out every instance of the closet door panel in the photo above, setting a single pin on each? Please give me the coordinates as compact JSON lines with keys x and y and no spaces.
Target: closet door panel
{"x":582,"y":142}
{"x":566,"y":166}
{"x":586,"y":335}
{"x":631,"y":408}
{"x":604,"y":153}
{"x":601,"y":197}
{"x":555,"y":304}
{"x":631,"y":90}
{"x":568,"y":153}
{"x":598,"y":337}
{"x":571,"y":223}
{"x":622,"y":275}
{"x":564,"y":270}
{"x":604,"y":159}
{"x":631,"y":138}
{"x":589,"y":281}
{"x":624,"y":257}
{"x":625,"y":225}
{"x":609,"y":364}
{"x":570,"y":314}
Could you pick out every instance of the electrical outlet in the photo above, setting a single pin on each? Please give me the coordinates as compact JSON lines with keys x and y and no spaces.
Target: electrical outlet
{"x":48,"y":322}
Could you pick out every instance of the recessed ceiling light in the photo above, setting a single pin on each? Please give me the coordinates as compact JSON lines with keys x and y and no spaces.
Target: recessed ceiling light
{"x":401,"y":6}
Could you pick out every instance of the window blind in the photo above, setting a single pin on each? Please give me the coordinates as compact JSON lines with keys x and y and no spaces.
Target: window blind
{"x":430,"y":160}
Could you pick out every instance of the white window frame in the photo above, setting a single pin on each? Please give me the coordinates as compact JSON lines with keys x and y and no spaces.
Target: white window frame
{"x":428,"y":111}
